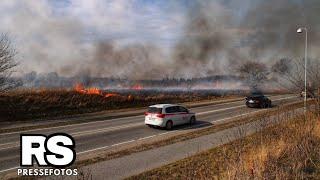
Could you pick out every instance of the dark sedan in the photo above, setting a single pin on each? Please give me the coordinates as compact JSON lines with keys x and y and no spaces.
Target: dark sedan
{"x":259,"y":101}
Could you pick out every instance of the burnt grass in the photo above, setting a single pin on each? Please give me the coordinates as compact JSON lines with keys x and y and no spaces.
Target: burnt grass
{"x":46,"y":103}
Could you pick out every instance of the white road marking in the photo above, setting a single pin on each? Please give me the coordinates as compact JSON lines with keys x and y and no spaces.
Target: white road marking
{"x":104,"y":147}
{"x":16,"y":144}
{"x":6,"y":144}
{"x":224,"y":119}
{"x":79,"y":124}
{"x":123,"y":143}
{"x":9,"y":169}
{"x":148,"y":137}
{"x":106,"y":129}
{"x":217,"y":110}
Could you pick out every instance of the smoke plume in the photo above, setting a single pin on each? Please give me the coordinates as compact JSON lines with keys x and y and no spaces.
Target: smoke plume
{"x":134,"y":61}
{"x":219,"y":36}
{"x":114,"y":39}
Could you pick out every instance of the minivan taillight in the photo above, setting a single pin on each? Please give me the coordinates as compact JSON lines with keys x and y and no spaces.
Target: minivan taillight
{"x":161,"y":115}
{"x":146,"y":113}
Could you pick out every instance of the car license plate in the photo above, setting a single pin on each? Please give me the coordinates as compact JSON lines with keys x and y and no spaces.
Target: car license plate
{"x":250,"y":101}
{"x":151,"y":118}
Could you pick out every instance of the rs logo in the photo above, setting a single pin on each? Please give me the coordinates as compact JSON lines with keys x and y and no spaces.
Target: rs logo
{"x":55,"y":150}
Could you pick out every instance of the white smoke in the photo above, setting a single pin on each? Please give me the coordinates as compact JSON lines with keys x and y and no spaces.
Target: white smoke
{"x":62,"y":36}
{"x":158,"y":39}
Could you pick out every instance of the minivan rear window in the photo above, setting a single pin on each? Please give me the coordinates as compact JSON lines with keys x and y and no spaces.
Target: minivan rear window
{"x":155,"y":110}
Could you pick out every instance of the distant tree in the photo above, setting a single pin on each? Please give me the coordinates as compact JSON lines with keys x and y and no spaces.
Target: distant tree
{"x":254,"y":73}
{"x":282,"y":66}
{"x":7,"y":63}
{"x":290,"y":73}
{"x":31,"y":76}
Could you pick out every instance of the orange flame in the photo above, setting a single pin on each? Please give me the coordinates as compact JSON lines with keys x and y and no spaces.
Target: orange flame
{"x":111,"y":95}
{"x":93,"y":90}
{"x":79,"y":88}
{"x":137,"y":87}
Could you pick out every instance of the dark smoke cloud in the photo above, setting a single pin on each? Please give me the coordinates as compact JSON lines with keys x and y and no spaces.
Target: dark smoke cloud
{"x":275,"y":23}
{"x":217,"y":40}
{"x":218,"y":36}
{"x":200,"y":52}
{"x":134,"y":61}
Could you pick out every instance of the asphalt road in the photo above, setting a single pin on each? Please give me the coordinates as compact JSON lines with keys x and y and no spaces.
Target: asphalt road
{"x":93,"y":136}
{"x":136,"y":163}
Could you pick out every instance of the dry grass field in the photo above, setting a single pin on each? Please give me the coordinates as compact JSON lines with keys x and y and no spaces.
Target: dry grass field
{"x":43,"y":103}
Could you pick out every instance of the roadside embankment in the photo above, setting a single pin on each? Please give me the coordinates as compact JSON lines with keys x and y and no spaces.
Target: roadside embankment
{"x":290,"y":150}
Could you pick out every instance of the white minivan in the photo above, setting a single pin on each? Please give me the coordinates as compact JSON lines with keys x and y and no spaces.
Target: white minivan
{"x":168,"y":115}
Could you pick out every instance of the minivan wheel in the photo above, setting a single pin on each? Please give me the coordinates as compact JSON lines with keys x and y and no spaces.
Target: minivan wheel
{"x":169,"y":125}
{"x":192,"y":120}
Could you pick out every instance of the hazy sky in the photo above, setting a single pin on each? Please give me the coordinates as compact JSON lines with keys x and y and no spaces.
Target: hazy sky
{"x":62,"y":35}
{"x":49,"y":33}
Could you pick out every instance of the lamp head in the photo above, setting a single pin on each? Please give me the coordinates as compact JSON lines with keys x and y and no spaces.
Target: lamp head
{"x":299,"y":30}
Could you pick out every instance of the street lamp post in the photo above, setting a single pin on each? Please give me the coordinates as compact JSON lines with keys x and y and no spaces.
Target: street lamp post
{"x":300,"y":30}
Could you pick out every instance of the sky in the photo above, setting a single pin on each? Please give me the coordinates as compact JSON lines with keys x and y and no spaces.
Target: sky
{"x":155,"y":38}
{"x":48,"y":33}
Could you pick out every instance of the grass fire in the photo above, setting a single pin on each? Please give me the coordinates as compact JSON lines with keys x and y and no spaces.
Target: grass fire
{"x":27,"y":104}
{"x":116,"y":74}
{"x":92,"y":91}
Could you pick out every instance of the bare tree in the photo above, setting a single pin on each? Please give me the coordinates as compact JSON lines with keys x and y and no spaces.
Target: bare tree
{"x":7,"y":63}
{"x":292,"y":71}
{"x":282,"y":66}
{"x":290,"y":75}
{"x":255,"y":73}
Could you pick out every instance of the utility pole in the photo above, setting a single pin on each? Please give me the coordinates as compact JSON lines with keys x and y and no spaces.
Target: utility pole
{"x":300,"y":30}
